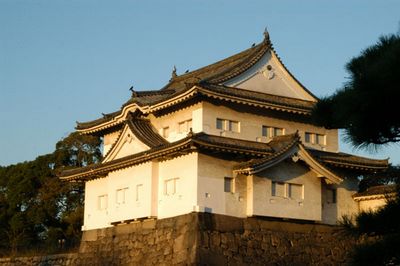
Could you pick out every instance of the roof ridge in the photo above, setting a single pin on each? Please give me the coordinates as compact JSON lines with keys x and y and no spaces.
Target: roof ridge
{"x":206,"y":84}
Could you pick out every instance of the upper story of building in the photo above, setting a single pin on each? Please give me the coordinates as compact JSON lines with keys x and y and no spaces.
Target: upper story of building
{"x":249,"y":96}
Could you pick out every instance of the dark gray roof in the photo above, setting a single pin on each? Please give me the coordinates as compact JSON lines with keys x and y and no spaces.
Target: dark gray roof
{"x":377,"y":190}
{"x":348,"y":160}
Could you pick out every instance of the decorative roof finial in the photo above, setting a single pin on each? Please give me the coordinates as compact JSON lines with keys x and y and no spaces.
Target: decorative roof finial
{"x":190,"y":133}
{"x":173,"y":74}
{"x":134,"y":94}
{"x":266,"y":34}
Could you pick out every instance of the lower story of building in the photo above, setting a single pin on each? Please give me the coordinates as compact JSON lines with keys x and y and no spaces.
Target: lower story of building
{"x":198,"y":182}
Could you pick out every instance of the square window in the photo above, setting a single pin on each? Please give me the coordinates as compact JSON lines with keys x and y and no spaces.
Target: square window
{"x":308,"y":137}
{"x":171,"y":186}
{"x":120,"y":195}
{"x":278,"y":131}
{"x":320,"y":139}
{"x":234,"y":126}
{"x":331,"y":195}
{"x":265,"y":131}
{"x":182,"y":127}
{"x":102,"y":202}
{"x":165,"y":132}
{"x":228,"y":184}
{"x":220,"y":124}
{"x":295,"y":191}
{"x":278,"y":189}
{"x":139,"y":192}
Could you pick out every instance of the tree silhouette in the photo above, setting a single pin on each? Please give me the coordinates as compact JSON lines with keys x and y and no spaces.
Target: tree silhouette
{"x":36,"y":208}
{"x":367,"y":106}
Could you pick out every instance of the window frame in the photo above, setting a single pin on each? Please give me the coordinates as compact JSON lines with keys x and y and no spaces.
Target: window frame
{"x":286,"y":189}
{"x":175,"y":185}
{"x":272,"y":131}
{"x":165,"y":132}
{"x":229,"y":184}
{"x":102,"y":199}
{"x":185,"y":126}
{"x":139,"y":191}
{"x":227,"y":125}
{"x":314,"y":138}
{"x":121,"y":192}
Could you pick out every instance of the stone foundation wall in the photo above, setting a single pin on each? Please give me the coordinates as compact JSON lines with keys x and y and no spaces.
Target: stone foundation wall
{"x":205,"y":239}
{"x":256,"y":241}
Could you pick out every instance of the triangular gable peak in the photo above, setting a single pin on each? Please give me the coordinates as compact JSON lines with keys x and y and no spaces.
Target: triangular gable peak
{"x":125,"y":145}
{"x":270,"y":76}
{"x":138,"y":135}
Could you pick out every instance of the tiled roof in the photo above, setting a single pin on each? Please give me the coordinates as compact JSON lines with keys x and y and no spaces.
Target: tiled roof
{"x":210,"y":77}
{"x":236,"y":145}
{"x":262,"y":153}
{"x":221,"y":92}
{"x":145,"y":132}
{"x":376,"y":190}
{"x":231,"y":66}
{"x":345,"y":160}
{"x":105,"y":118}
{"x":282,"y":101}
{"x":200,"y":140}
{"x":280,"y":145}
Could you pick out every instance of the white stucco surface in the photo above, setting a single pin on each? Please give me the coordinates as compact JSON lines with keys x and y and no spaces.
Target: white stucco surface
{"x":137,"y":203}
{"x":265,"y":204}
{"x":251,"y":126}
{"x":211,"y":194}
{"x":372,"y":204}
{"x":276,"y":81}
{"x":184,"y":170}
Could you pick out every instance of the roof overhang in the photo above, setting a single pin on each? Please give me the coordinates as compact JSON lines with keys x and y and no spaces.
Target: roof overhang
{"x":391,"y":195}
{"x":296,"y":152}
{"x":186,"y":95}
{"x":317,"y":167}
{"x":193,"y":142}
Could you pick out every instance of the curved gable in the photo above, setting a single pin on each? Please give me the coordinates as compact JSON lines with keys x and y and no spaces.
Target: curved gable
{"x":270,"y":76}
{"x":126,"y":144}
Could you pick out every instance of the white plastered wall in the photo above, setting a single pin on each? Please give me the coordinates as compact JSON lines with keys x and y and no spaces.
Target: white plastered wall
{"x":251,"y":126}
{"x":184,"y":170}
{"x":264,"y":204}
{"x":276,"y":81}
{"x":372,"y":204}
{"x":173,"y":119}
{"x":346,"y":205}
{"x":126,"y":145}
{"x":138,"y":197}
{"x":109,"y":140}
{"x":329,"y":207}
{"x":94,"y":217}
{"x":211,"y":195}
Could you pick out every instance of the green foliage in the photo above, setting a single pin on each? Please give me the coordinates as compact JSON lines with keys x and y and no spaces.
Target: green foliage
{"x":390,"y":176}
{"x":384,"y":252}
{"x":380,"y":231}
{"x":36,"y":208}
{"x":77,"y":150}
{"x":366,"y":107}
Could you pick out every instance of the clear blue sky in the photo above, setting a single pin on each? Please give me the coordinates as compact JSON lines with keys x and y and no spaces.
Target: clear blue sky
{"x":68,"y":60}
